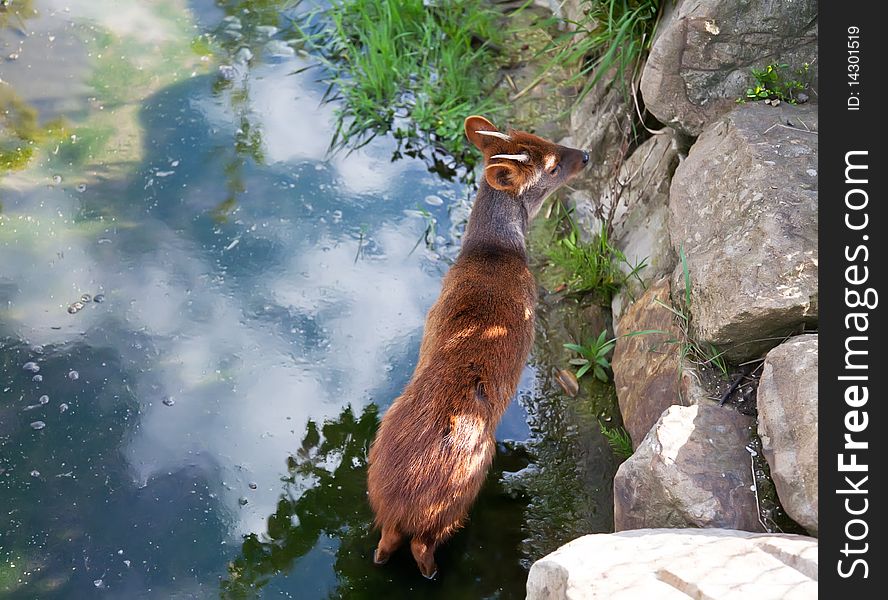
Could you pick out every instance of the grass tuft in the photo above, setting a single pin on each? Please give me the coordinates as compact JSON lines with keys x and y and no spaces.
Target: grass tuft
{"x":611,"y":35}
{"x":414,"y":68}
{"x":588,"y":267}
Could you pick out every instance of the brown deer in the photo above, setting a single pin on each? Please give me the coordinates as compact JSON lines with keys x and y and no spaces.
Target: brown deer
{"x":436,"y":442}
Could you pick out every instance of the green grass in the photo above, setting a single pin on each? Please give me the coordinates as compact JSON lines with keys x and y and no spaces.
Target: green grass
{"x":776,"y":82}
{"x":587,"y":267}
{"x":612,"y":34}
{"x":409,"y":68}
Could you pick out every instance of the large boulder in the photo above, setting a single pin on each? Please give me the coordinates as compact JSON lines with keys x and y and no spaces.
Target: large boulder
{"x":678,"y":564}
{"x":641,"y":214}
{"x":787,"y":425}
{"x":692,"y":470}
{"x":700,"y":60}
{"x":743,"y":207}
{"x":646,"y":367}
{"x":599,"y":123}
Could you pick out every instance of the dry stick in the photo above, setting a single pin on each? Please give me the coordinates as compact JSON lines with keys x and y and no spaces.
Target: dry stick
{"x":789,"y":127}
{"x":511,"y":83}
{"x":758,"y":505}
{"x":734,"y":384}
{"x":636,"y":82}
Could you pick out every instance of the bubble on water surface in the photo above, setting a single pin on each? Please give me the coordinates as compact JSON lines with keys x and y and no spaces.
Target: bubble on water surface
{"x":433,"y":200}
{"x":31,"y":366}
{"x":63,"y":407}
{"x":168,"y":401}
{"x":38,"y":425}
{"x":85,"y":298}
{"x":44,"y":399}
{"x":81,"y":187}
{"x":99,"y":298}
{"x":56,"y":179}
{"x":227,"y":72}
{"x":37,"y":378}
{"x":73,"y":375}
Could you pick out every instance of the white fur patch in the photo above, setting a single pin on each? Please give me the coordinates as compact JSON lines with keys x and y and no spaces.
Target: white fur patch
{"x":519,"y":157}
{"x":495,"y":134}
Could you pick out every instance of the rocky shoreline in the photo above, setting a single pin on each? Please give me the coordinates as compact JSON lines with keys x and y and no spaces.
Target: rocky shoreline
{"x":721,"y":202}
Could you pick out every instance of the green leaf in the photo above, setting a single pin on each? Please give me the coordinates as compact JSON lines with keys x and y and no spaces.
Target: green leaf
{"x":601,"y":337}
{"x":583,"y":369}
{"x":600,"y":373}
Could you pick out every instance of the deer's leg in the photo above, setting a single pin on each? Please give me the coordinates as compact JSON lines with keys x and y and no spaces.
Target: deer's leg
{"x":424,"y":554}
{"x":391,"y":539}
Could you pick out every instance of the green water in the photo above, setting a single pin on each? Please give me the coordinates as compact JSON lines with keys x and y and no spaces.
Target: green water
{"x":205,"y":426}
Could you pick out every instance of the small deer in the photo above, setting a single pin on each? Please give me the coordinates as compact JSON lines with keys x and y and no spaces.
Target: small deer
{"x":435,"y":443}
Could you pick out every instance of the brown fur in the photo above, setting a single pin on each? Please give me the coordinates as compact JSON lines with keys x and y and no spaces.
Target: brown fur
{"x":435,"y":444}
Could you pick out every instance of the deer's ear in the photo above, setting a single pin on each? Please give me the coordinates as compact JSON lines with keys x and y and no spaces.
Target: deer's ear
{"x":473,"y":125}
{"x":503,"y":176}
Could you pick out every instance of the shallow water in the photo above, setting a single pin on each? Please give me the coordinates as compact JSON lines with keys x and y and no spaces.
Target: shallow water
{"x":262,"y":303}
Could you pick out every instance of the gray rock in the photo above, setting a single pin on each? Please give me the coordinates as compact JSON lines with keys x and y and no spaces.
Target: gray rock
{"x":743,"y":205}
{"x":599,"y":123}
{"x":787,"y":425}
{"x":691,"y":470}
{"x":678,"y":564}
{"x":641,"y":218}
{"x":701,"y":57}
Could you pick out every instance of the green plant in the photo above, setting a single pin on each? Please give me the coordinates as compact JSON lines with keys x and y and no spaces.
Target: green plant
{"x":774,"y":83}
{"x":618,"y":439}
{"x":702,"y":353}
{"x":594,"y":354}
{"x":585,"y":267}
{"x":413,"y":68}
{"x":612,"y":34}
